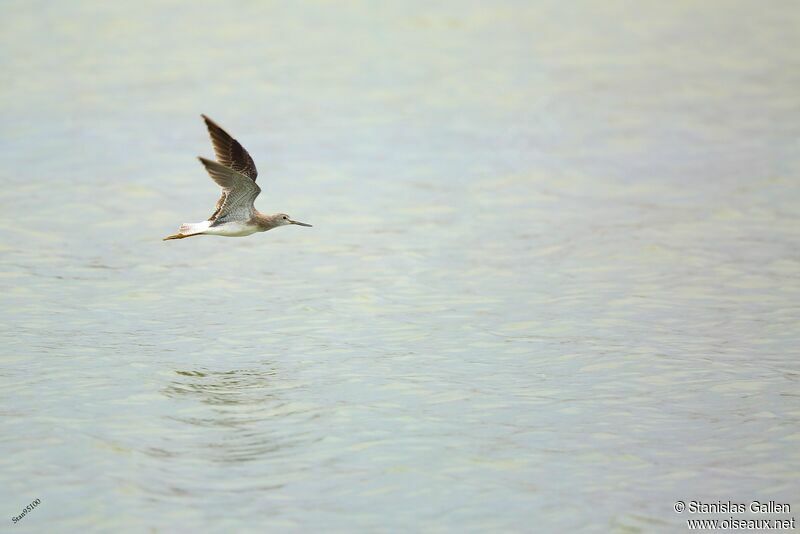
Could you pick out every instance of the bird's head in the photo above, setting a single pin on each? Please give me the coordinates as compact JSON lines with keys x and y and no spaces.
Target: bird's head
{"x":284,"y":219}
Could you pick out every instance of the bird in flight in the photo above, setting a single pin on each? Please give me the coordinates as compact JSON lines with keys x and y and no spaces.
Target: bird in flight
{"x":235,"y":172}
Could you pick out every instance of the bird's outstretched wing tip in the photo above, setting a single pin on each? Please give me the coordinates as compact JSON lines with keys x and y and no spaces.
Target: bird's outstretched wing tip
{"x":207,"y":163}
{"x":210,"y":122}
{"x":230,"y":152}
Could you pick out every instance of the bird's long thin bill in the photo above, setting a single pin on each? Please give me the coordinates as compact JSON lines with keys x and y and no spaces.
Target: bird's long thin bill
{"x":300,"y":224}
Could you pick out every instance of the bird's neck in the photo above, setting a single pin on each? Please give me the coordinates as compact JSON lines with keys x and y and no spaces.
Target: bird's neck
{"x":264,"y":221}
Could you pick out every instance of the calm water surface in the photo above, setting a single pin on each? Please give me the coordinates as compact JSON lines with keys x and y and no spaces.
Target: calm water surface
{"x":552,"y":283}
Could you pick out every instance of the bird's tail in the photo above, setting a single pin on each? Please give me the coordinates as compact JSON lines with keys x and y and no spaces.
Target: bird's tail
{"x":188,"y":230}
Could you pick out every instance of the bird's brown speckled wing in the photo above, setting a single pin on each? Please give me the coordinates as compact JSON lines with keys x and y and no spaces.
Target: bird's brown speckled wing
{"x":220,"y":202}
{"x":238,"y":192}
{"x":230,"y":152}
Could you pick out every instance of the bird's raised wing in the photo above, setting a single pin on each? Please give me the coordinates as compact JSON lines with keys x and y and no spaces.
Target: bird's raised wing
{"x":229,"y":151}
{"x":238,"y":192}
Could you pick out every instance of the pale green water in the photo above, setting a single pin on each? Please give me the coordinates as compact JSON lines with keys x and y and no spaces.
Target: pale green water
{"x":552,"y":283}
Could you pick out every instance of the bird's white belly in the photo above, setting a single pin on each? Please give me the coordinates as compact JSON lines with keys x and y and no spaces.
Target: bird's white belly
{"x":233,"y":229}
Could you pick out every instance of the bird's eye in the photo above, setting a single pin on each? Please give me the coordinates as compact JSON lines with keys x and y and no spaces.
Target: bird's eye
{"x":285,"y":218}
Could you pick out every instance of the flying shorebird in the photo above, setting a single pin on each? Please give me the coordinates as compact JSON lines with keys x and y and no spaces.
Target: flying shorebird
{"x":235,"y":172}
